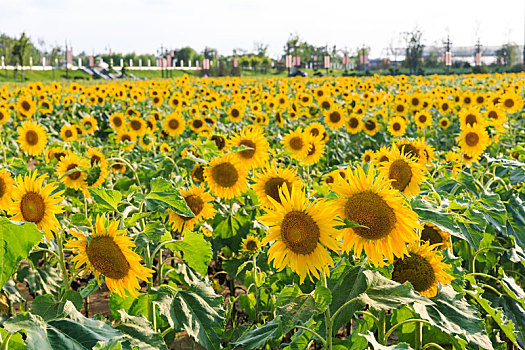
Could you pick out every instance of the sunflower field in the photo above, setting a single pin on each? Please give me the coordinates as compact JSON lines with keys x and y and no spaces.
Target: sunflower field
{"x":377,"y":213}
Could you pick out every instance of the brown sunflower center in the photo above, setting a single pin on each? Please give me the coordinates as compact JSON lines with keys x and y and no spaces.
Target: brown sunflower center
{"x":271,"y":187}
{"x":325,"y":104}
{"x":509,"y":103}
{"x":225,"y":174}
{"x":444,"y":107}
{"x":107,"y":257}
{"x":117,"y":121}
{"x":335,"y":117}
{"x":422,"y":118}
{"x":493,"y":115}
{"x":396,"y":126}
{"x":26,"y":106}
{"x":68,"y":133}
{"x":197,"y":123}
{"x":409,"y":150}
{"x":471,"y":119}
{"x":33,"y":207}
{"x":74,"y":175}
{"x":220,"y":142}
{"x":136,"y":125}
{"x":173,"y":124}
{"x":370,"y":210}
{"x":235,"y":113}
{"x":472,"y":139}
{"x":370,"y":125}
{"x":401,"y":172}
{"x":251,"y":246}
{"x":196,"y":205}
{"x":88,"y":124}
{"x":248,"y":153}
{"x":296,"y":143}
{"x":94,"y":159}
{"x":415,"y":269}
{"x":300,"y":232}
{"x":430,"y":234}
{"x":444,"y":122}
{"x":315,"y":132}
{"x":353,"y":123}
{"x":2,"y":187}
{"x":198,"y":173}
{"x":467,"y":100}
{"x":311,"y":151}
{"x":400,"y":108}
{"x":31,"y":137}
{"x":125,"y":137}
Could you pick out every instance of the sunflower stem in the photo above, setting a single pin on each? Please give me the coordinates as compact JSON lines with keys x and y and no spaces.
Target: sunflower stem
{"x":473,"y":261}
{"x":61,"y":259}
{"x":328,"y":320}
{"x":314,"y":333}
{"x":417,"y":320}
{"x":256,"y":290}
{"x":381,"y":328}
{"x":418,"y":336}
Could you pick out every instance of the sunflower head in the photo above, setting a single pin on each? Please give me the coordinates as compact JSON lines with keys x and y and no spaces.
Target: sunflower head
{"x":269,"y":181}
{"x":435,"y":236}
{"x":6,"y":187}
{"x":32,"y":138}
{"x":406,"y":174}
{"x":226,"y":177}
{"x":251,"y":244}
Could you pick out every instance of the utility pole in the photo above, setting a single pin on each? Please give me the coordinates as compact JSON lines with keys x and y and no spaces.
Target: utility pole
{"x":477,"y":57}
{"x":67,"y":71}
{"x":448,"y":54}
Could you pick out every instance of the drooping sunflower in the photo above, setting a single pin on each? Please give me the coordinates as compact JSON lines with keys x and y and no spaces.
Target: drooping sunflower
{"x":255,"y":139}
{"x":6,"y":187}
{"x":32,"y":201}
{"x":32,"y":138}
{"x":404,"y":171}
{"x":423,"y":267}
{"x":389,"y":222}
{"x":435,"y":236}
{"x":69,"y":133}
{"x":270,"y":179}
{"x":226,"y":177}
{"x":302,"y":232}
{"x":473,"y":140}
{"x":108,"y":254}
{"x":174,"y":124}
{"x":297,"y":142}
{"x":76,"y":179}
{"x":251,"y":244}
{"x":200,"y":203}
{"x":315,"y":151}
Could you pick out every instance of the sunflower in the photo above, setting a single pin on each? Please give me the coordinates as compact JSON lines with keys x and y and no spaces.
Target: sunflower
{"x":354,"y":124}
{"x":406,"y":173}
{"x":4,"y":115}
{"x":496,"y":117}
{"x":371,"y":126}
{"x":455,"y":158}
{"x":473,"y":140}
{"x":127,"y":138}
{"x":270,"y":179}
{"x":251,"y":244}
{"x":32,"y":138}
{"x":32,"y":201}
{"x":108,"y":253}
{"x":470,"y":117}
{"x":197,"y":173}
{"x":334,"y":118}
{"x":423,"y":119}
{"x":117,"y":121}
{"x":423,"y":268}
{"x":444,"y":123}
{"x":26,"y":107}
{"x":435,"y":236}
{"x":118,"y":168}
{"x":510,"y":102}
{"x":255,"y":140}
{"x":157,"y":101}
{"x":174,"y":124}
{"x":219,"y":140}
{"x":200,"y":203}
{"x":75,"y":179}
{"x":45,"y":107}
{"x":98,"y":172}
{"x":297,"y":142}
{"x":6,"y":188}
{"x":89,"y":124}
{"x":236,"y":113}
{"x":397,"y":126}
{"x":315,"y":151}
{"x":226,"y":177}
{"x":317,"y":129}
{"x":302,"y":231}
{"x":367,"y":156}
{"x":69,"y":133}
{"x":389,"y":222}
{"x":164,"y":147}
{"x":197,"y":124}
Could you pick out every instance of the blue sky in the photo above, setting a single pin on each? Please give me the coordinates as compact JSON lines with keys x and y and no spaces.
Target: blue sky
{"x":143,"y":25}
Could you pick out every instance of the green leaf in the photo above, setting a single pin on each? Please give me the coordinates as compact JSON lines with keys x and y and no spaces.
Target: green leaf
{"x":132,"y":221}
{"x":197,"y":251}
{"x":295,"y":307}
{"x":323,"y":298}
{"x":497,"y":314}
{"x":493,"y":209}
{"x":516,"y":313}
{"x":375,"y":344}
{"x":140,"y":332}
{"x":472,"y":226}
{"x":451,"y":313}
{"x":197,"y":310}
{"x":16,"y":342}
{"x":45,"y":280}
{"x":35,"y":328}
{"x":15,"y":243}
{"x":427,"y":211}
{"x":164,"y":196}
{"x":79,"y":219}
{"x":232,"y":226}
{"x":257,"y":337}
{"x":106,"y":199}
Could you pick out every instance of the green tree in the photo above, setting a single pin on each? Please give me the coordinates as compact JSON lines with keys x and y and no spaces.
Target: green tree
{"x":414,"y":49}
{"x":19,"y":50}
